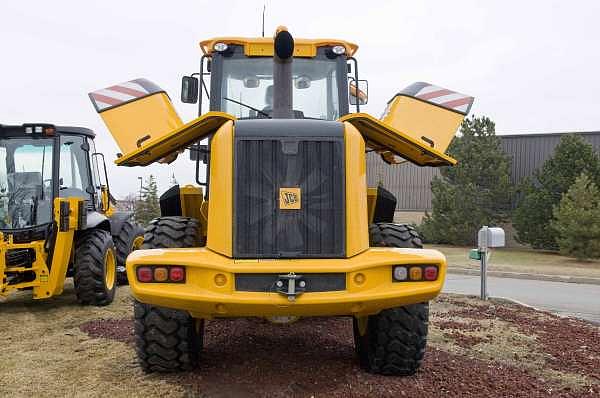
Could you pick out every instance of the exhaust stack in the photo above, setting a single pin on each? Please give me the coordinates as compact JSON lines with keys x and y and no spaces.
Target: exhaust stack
{"x":282,"y":74}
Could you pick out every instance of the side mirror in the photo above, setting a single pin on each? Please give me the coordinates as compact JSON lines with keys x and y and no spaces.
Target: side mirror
{"x":189,"y":89}
{"x":359,"y":92}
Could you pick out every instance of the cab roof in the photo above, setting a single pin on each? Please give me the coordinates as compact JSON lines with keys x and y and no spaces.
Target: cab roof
{"x":6,"y":129}
{"x":263,"y":46}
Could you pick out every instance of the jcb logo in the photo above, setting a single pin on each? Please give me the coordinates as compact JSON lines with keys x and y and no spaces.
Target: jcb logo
{"x":290,"y":199}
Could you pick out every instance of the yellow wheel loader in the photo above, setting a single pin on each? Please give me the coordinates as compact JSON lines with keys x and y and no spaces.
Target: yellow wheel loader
{"x":283,"y":224}
{"x":57,"y":219}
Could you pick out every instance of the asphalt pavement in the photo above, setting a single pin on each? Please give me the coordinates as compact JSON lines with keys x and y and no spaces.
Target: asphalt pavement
{"x":568,"y":299}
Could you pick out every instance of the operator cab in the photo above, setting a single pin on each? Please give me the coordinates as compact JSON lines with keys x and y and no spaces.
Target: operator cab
{"x":40,"y":162}
{"x":242,"y":78}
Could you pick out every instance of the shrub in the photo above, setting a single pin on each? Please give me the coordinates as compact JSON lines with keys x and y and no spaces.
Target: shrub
{"x":475,"y":192}
{"x":577,"y":220}
{"x":544,"y":190}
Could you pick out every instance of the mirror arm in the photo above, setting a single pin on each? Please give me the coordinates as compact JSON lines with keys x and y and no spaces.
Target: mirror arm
{"x":352,"y":59}
{"x":201,"y":85}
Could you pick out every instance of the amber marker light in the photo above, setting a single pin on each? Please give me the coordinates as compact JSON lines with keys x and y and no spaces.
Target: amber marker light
{"x":415,"y":273}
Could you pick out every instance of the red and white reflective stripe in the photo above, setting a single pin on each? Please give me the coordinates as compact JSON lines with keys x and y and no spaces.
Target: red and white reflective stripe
{"x":446,"y":98}
{"x":115,"y":95}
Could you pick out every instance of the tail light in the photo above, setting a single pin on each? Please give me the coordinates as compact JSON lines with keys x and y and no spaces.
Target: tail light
{"x":431,"y":273}
{"x":177,"y":274}
{"x":414,"y":273}
{"x":161,"y":274}
{"x":144,"y":274}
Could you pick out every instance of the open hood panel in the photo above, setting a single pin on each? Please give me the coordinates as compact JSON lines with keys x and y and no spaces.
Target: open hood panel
{"x":176,"y":140}
{"x":382,"y":138}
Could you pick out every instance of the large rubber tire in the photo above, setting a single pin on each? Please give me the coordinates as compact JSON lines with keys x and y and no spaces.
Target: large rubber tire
{"x":166,"y":340}
{"x":394,"y":235}
{"x":95,"y":268}
{"x":395,"y":340}
{"x":127,"y":241}
{"x":169,"y":232}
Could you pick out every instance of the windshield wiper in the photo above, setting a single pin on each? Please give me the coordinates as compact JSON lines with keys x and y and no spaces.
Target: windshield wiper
{"x":248,"y":106}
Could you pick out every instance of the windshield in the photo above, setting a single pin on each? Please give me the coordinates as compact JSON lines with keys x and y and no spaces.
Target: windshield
{"x":247,"y":87}
{"x":25,"y":182}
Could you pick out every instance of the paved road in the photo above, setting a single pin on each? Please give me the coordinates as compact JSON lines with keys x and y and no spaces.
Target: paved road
{"x":572,"y":299}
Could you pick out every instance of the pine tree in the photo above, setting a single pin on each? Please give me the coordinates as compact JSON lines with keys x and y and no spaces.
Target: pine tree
{"x":148,"y":207}
{"x":532,"y":217}
{"x":577,"y":220}
{"x":475,"y":192}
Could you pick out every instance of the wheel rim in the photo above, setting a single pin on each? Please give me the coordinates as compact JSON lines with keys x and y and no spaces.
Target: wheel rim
{"x":110,"y":269}
{"x":137,"y":243}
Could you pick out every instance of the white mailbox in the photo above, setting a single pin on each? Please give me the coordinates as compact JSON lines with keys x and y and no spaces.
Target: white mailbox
{"x":490,"y":237}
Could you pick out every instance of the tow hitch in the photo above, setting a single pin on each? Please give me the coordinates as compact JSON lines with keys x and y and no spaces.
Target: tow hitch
{"x":291,"y":285}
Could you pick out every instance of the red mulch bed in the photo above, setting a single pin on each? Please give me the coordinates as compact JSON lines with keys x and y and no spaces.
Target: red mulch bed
{"x":251,"y":357}
{"x":115,"y":329}
{"x":573,"y":344}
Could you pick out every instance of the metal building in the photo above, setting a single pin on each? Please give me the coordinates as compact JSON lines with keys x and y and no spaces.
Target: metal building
{"x":411,"y":184}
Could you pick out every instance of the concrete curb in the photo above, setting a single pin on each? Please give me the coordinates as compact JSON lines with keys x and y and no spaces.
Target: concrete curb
{"x":544,"y":310}
{"x":522,"y":275}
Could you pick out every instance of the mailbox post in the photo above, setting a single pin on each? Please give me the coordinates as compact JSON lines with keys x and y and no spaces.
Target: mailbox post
{"x":486,"y":238}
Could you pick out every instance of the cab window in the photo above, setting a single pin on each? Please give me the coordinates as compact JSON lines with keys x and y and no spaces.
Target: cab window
{"x":74,"y":177}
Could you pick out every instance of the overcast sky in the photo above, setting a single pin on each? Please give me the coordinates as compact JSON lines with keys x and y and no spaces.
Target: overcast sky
{"x":531,"y":65}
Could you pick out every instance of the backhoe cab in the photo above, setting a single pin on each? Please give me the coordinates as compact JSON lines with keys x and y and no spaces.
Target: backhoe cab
{"x":284,"y":225}
{"x":56,"y":215}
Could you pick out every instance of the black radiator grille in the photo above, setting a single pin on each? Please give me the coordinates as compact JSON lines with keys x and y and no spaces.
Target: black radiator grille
{"x":263,"y":166}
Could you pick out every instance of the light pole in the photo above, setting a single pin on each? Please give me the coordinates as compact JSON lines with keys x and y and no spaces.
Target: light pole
{"x":141,"y":182}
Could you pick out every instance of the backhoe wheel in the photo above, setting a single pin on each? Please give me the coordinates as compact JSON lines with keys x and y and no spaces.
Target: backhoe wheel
{"x":166,"y":340}
{"x":394,"y":235}
{"x":95,"y":268}
{"x":170,"y":232}
{"x":394,"y":340}
{"x":130,"y":238}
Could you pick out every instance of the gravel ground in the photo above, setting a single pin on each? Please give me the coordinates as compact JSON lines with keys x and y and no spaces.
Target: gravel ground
{"x":477,"y":349}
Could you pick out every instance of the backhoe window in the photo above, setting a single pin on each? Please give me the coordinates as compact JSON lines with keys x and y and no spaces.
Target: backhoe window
{"x":25,"y":182}
{"x":74,"y":174}
{"x":247,"y":87}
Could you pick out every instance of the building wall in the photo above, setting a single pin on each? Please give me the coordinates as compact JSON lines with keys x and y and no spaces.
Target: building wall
{"x":411,"y":184}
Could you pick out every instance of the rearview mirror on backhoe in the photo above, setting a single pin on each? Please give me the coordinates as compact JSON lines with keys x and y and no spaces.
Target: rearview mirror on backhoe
{"x":189,"y":89}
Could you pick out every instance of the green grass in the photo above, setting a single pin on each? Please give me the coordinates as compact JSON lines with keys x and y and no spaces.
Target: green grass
{"x":522,"y":260}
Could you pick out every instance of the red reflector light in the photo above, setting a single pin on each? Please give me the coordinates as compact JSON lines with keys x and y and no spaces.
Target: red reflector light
{"x":430,"y":273}
{"x":144,"y":274}
{"x":176,"y":274}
